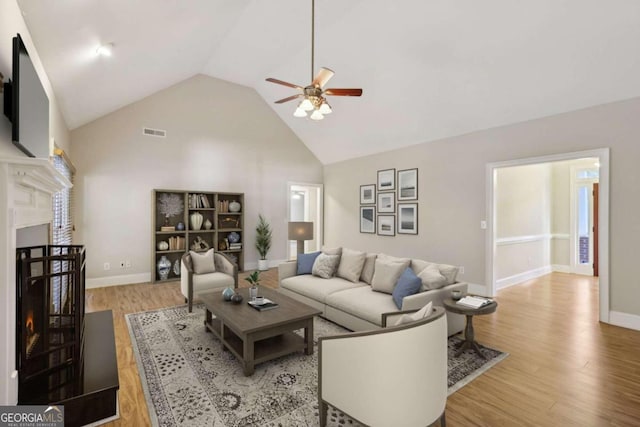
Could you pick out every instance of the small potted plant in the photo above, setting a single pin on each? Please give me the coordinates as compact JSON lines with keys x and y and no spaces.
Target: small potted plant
{"x":263,"y":242}
{"x":254,"y":280}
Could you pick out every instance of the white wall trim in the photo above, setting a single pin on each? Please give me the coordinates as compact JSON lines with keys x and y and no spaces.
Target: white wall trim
{"x":561,"y":268}
{"x":561,"y":236}
{"x":625,"y":320}
{"x":125,"y":279}
{"x":270,"y":262}
{"x":514,"y":240}
{"x":522,"y":277}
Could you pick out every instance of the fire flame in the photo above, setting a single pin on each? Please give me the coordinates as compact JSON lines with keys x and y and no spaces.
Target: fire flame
{"x":29,"y":323}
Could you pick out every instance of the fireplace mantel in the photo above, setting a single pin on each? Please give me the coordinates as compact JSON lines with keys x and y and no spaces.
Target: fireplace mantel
{"x":26,"y":189}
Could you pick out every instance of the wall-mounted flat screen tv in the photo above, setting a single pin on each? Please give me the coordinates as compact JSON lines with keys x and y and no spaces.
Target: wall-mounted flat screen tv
{"x":28,"y":108}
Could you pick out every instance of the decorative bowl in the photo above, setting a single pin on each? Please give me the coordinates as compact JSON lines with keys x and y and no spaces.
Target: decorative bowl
{"x":456,"y":294}
{"x":236,"y":298}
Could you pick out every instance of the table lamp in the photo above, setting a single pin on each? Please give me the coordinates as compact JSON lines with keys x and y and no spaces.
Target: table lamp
{"x":300,"y":231}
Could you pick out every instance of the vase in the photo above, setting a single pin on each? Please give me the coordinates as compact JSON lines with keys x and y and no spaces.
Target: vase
{"x":164,"y":267}
{"x":176,"y":267}
{"x":207,"y":224}
{"x":263,"y":264}
{"x":253,"y":292}
{"x":196,"y":220}
{"x":234,"y":206}
{"x":236,"y":298}
{"x":227,"y":293}
{"x":180,"y":226}
{"x":163,"y":246}
{"x":233,"y":237}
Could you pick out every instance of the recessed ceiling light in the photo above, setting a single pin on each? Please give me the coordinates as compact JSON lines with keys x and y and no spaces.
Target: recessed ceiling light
{"x":105,"y":49}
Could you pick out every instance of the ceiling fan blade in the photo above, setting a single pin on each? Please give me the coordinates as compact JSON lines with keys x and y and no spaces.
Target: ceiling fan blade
{"x":343,"y":92}
{"x":280,"y":82}
{"x":322,"y":77}
{"x":289,"y":98}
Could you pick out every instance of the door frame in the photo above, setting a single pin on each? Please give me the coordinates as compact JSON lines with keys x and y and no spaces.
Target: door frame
{"x":574,"y":183}
{"x":602,"y":154}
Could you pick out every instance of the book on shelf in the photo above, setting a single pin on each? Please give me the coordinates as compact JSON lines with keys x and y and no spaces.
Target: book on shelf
{"x":474,"y":302}
{"x":168,"y":228}
{"x":265,"y":305}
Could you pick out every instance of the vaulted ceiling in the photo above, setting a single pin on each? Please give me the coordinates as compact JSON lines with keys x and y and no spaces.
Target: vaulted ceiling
{"x":430,"y":69}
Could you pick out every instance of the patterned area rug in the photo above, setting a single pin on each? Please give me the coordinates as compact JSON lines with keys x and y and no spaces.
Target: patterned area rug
{"x":190,"y":381}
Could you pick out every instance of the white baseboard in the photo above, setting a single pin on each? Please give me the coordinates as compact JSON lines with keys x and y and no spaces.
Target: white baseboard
{"x":560,"y":268}
{"x":522,"y":277}
{"x":625,"y":320}
{"x":270,"y":262}
{"x":126,"y":279}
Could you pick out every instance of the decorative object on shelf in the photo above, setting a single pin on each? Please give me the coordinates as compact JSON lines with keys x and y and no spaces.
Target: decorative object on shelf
{"x":300,"y":231}
{"x":407,"y":218}
{"x":199,"y":244}
{"x":223,"y":245}
{"x":236,"y":298}
{"x":207,"y":224}
{"x":408,"y":184}
{"x":227,"y":293}
{"x":176,"y":267}
{"x":171,"y":204}
{"x":164,"y":266}
{"x":254,"y":280}
{"x":386,"y":179}
{"x":233,"y":237}
{"x":229,"y":222}
{"x":180,"y":226}
{"x":234,"y":206}
{"x":263,"y":242}
{"x":196,"y":220}
{"x":163,"y":246}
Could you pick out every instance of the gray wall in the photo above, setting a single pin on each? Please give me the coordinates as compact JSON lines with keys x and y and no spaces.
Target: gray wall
{"x":220,"y":137}
{"x":452,"y":193}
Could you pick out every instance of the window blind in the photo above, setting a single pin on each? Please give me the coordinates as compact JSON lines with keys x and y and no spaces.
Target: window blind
{"x":63,"y":205}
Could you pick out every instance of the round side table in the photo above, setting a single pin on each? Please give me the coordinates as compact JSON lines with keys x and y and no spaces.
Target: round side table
{"x":469,"y":336}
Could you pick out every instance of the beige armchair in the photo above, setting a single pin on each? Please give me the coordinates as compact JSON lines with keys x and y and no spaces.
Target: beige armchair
{"x":395,"y":376}
{"x":225,"y":275}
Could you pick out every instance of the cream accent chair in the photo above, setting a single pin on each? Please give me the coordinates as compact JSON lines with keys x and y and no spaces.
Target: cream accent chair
{"x":395,"y":376}
{"x":226,"y":274}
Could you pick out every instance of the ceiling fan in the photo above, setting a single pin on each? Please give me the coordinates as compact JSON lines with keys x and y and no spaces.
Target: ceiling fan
{"x":314,"y":94}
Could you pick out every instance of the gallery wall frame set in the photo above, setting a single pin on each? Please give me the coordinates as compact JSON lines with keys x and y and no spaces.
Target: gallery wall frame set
{"x":385,"y":214}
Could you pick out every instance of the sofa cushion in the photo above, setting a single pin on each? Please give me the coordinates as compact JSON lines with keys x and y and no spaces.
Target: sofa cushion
{"x":450,"y":272}
{"x":351,"y":263}
{"x":368,"y":268}
{"x":386,"y":274}
{"x":332,"y":251}
{"x":205,"y":282}
{"x":317,"y":288}
{"x":363,"y":302}
{"x":408,"y":284}
{"x":423,"y":312}
{"x":203,"y":262}
{"x":325,"y":265}
{"x":305,"y":262}
{"x":431,"y":278}
{"x":390,"y":258}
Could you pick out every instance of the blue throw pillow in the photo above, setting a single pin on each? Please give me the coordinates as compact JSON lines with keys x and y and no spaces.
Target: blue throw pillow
{"x":305,"y":262}
{"x":408,"y":284}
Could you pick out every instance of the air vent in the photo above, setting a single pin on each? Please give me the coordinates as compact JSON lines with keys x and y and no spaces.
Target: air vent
{"x":154,"y":132}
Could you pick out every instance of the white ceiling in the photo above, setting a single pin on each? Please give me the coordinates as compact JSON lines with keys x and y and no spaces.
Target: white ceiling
{"x":429,"y":69}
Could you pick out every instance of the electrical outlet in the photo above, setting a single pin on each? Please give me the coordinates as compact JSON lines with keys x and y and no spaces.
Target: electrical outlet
{"x":461,"y":270}
{"x":121,"y":264}
{"x":127,"y":263}
{"x":107,"y":266}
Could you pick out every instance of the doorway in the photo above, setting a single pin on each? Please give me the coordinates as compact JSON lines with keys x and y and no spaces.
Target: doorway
{"x":305,"y":204}
{"x":584,"y":218}
{"x":602,"y":237}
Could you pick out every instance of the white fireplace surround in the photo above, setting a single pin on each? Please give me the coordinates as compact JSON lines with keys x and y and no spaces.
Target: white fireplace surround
{"x":26,"y":189}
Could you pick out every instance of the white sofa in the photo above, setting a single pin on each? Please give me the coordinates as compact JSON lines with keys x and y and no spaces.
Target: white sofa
{"x":356,"y":305}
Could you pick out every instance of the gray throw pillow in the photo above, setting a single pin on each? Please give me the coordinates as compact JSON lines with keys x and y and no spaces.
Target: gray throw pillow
{"x":325,"y":265}
{"x":203,"y":262}
{"x":386,"y":274}
{"x":351,"y":263}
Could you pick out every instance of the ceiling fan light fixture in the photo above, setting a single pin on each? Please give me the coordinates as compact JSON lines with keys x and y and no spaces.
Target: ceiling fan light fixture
{"x":325,"y":108}
{"x":306,"y":105}
{"x":105,"y":49}
{"x":300,"y":112}
{"x":316,"y":115}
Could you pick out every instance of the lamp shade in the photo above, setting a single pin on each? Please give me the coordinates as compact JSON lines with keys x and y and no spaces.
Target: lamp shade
{"x":300,"y":230}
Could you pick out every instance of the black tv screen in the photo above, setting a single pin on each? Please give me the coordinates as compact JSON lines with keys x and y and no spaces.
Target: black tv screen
{"x":30,"y":105}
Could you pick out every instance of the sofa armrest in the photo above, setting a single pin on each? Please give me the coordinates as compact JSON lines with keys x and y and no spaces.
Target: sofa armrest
{"x":226,"y":266}
{"x":287,"y":269}
{"x":392,"y":317}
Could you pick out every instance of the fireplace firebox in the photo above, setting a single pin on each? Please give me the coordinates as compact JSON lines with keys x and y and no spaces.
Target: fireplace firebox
{"x":50,"y":313}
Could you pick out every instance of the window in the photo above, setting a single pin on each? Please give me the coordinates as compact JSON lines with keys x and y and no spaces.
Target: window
{"x":63,"y":202}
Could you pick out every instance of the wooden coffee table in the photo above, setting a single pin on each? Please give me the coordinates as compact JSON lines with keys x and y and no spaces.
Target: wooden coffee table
{"x":469,"y":312}
{"x":257,"y":336}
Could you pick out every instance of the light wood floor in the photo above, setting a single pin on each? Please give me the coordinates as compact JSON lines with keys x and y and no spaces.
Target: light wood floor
{"x":564,"y":369}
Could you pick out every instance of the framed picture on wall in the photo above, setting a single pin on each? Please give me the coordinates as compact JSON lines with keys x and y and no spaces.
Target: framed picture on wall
{"x":408,"y":184}
{"x":407,"y":218}
{"x":367,"y":194}
{"x":387,"y":179}
{"x":386,"y":225}
{"x":367,"y":219}
{"x":386,"y":202}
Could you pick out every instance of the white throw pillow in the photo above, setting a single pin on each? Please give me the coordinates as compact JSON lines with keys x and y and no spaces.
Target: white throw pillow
{"x":369,"y":267}
{"x":423,"y":312}
{"x":431,"y":278}
{"x":386,"y":274}
{"x":203,"y":262}
{"x":332,"y":251}
{"x":325,"y":265}
{"x":351,"y":263}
